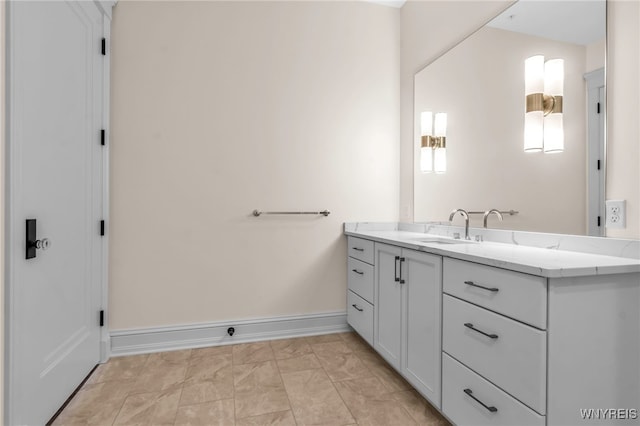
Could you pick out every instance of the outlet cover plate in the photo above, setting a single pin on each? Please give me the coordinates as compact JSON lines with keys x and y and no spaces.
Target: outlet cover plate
{"x":616,"y":214}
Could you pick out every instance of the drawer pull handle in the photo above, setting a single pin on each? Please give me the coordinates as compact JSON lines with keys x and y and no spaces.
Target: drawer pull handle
{"x":358,"y":272}
{"x":469,"y":325}
{"x":358,"y":249}
{"x":396,"y":277}
{"x":357,"y":308}
{"x":471,"y":283}
{"x":470,"y":393}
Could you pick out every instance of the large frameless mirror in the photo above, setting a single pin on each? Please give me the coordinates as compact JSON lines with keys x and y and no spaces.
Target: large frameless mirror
{"x":471,"y":106}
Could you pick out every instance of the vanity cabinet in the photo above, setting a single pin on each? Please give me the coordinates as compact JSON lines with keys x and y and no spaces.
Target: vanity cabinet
{"x":487,"y":345}
{"x":494,"y":323}
{"x":524,"y":349}
{"x":407,"y":315}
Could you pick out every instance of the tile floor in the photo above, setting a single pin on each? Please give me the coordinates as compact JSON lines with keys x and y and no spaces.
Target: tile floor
{"x":334,"y":379}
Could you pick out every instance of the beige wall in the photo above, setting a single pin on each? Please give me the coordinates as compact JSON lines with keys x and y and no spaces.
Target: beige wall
{"x":486,"y":163}
{"x":596,"y":54}
{"x":429,"y":29}
{"x":623,"y":109}
{"x":219,"y":108}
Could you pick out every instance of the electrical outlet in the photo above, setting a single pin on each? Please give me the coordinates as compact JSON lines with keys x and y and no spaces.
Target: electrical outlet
{"x":616,"y":217}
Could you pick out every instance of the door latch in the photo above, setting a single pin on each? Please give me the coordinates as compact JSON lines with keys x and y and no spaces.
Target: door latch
{"x":32,"y":241}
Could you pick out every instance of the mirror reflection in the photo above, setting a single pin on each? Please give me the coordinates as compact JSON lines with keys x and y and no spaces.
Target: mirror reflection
{"x":543,"y":175}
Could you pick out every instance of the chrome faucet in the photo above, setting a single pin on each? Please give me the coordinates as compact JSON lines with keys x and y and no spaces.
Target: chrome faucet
{"x":488,"y":213}
{"x":464,"y":214}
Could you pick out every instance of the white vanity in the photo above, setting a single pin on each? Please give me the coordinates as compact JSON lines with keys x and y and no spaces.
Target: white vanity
{"x":502,"y":333}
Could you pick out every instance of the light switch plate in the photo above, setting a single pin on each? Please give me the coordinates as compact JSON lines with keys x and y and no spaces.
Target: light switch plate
{"x":616,"y":214}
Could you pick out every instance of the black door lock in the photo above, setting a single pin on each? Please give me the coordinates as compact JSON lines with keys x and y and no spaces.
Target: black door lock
{"x":32,"y":241}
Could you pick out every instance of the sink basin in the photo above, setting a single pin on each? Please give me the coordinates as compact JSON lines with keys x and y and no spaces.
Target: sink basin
{"x":441,"y":240}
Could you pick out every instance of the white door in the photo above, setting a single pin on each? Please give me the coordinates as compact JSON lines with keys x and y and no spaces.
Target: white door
{"x":54,"y":176}
{"x":388,"y":303}
{"x":421,"y":322}
{"x":596,"y":152}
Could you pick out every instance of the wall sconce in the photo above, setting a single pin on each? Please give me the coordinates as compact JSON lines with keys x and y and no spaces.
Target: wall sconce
{"x":433,"y":152}
{"x":544,"y":86}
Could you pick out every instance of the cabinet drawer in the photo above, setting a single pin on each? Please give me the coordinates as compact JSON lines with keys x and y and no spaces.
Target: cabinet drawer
{"x":519,"y":296}
{"x":360,"y":249}
{"x":360,"y":316}
{"x":459,"y":384}
{"x":510,"y":354}
{"x":360,"y":279}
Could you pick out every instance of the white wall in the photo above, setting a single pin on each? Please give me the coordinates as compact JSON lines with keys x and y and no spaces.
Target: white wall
{"x":219,"y":108}
{"x":486,"y":163}
{"x":429,"y":29}
{"x":623,"y":109}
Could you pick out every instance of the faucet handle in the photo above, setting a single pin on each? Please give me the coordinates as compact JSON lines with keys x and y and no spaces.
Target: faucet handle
{"x":456,"y":235}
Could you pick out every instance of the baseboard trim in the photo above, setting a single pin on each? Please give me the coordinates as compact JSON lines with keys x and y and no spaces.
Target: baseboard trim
{"x":158,"y":339}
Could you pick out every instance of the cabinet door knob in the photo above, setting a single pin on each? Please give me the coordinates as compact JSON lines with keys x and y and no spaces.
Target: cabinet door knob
{"x":470,"y":393}
{"x":357,"y":308}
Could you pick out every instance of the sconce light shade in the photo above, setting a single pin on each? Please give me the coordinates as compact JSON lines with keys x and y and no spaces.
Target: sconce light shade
{"x":534,"y":75}
{"x":554,"y":77}
{"x":534,"y":117}
{"x":441,"y":124}
{"x":553,"y":133}
{"x":533,"y":134}
{"x":433,"y":153}
{"x":554,"y":86}
{"x":426,"y":123}
{"x":440,"y":160}
{"x":426,"y":149}
{"x":440,"y":152}
{"x":426,"y":159}
{"x":544,"y":86}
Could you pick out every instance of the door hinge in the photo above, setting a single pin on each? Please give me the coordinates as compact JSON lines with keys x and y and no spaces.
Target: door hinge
{"x":103,"y":135}
{"x":598,"y":164}
{"x":101,"y":318}
{"x":598,"y":220}
{"x":104,"y":46}
{"x":102,"y":228}
{"x":598,"y":106}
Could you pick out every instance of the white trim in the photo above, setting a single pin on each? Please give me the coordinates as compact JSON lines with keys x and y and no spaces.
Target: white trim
{"x":106,"y":149}
{"x":106,"y":6}
{"x":158,"y":339}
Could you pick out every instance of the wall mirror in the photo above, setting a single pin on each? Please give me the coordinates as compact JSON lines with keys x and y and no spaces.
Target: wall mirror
{"x":480,"y":86}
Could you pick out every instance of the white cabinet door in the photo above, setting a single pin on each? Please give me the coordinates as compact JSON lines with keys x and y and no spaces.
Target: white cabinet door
{"x":388,"y":303}
{"x":421,"y":322}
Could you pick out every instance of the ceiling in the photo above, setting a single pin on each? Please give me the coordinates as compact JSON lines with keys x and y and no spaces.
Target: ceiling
{"x":580,"y":22}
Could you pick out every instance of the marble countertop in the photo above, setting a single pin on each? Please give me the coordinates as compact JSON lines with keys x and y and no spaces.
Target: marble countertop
{"x":530,"y":260}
